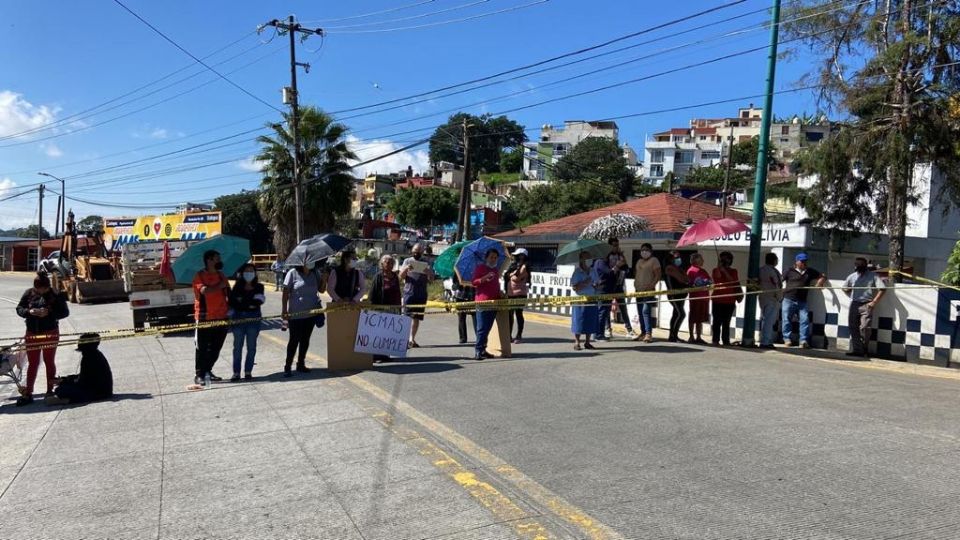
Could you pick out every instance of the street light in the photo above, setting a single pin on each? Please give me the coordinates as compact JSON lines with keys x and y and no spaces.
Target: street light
{"x":63,"y":198}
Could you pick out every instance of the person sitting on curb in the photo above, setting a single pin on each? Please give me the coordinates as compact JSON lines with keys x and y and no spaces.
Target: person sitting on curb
{"x":93,"y":383}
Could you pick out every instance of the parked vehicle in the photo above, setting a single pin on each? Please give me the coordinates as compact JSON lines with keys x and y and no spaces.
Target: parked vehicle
{"x":155,"y":298}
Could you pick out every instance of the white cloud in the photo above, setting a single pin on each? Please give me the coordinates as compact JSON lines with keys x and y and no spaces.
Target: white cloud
{"x":159,"y":133}
{"x":18,"y":115}
{"x":418,"y":159}
{"x":250,"y":164}
{"x":6,"y":185}
{"x":51,"y":150}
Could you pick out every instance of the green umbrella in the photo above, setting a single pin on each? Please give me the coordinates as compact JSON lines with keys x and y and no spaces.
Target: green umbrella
{"x":234,"y":253}
{"x":570,"y":253}
{"x":444,"y":263}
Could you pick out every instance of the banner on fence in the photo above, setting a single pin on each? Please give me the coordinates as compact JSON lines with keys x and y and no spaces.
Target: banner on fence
{"x":382,"y":333}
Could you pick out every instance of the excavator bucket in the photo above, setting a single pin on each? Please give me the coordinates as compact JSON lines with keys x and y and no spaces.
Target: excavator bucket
{"x":100,"y":291}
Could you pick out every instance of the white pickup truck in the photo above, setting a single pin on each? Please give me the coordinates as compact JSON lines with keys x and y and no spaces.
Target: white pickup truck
{"x":153,"y":300}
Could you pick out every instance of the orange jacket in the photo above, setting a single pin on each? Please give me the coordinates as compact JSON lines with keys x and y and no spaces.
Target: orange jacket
{"x":212,"y":305}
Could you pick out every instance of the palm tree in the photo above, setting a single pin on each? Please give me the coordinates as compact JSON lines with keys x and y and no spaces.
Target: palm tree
{"x":324,"y":172}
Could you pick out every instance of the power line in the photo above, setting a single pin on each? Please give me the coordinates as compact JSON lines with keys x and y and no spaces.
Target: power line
{"x":440,"y":23}
{"x":76,"y":116}
{"x":410,"y":18}
{"x":195,"y":59}
{"x":374,"y":13}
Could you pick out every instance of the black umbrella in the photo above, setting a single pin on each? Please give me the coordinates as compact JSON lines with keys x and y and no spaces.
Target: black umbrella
{"x":317,"y":248}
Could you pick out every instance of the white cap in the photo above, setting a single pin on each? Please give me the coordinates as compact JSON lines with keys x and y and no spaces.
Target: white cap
{"x":521,"y":251}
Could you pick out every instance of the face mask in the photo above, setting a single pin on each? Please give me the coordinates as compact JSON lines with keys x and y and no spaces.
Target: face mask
{"x":678,"y":261}
{"x":218,"y":266}
{"x":350,"y":264}
{"x":861,"y":268}
{"x":645,"y":254}
{"x":726,"y":262}
{"x":249,"y":276}
{"x":417,"y":256}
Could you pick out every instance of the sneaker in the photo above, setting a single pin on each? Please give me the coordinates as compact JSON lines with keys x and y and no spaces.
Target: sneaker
{"x":198,"y":380}
{"x":235,"y":378}
{"x":648,"y":338}
{"x":24,"y":400}
{"x":804,"y":345}
{"x":631,"y":334}
{"x":517,"y":341}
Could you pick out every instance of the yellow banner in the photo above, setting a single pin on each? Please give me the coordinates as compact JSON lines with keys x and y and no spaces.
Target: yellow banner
{"x":120,"y":231}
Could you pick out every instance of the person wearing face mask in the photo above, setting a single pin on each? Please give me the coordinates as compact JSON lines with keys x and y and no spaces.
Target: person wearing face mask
{"x":618,"y":263}
{"x":677,"y":280}
{"x":771,"y":283}
{"x":41,"y":308}
{"x":699,"y":300}
{"x":210,"y":303}
{"x":865,"y":289}
{"x":486,"y":281}
{"x":416,"y":275}
{"x":516,"y":281}
{"x":246,"y":297}
{"x":346,"y":283}
{"x":585,"y":319}
{"x":646,"y":275}
{"x":385,"y":291}
{"x":301,"y":295}
{"x":725,"y":297}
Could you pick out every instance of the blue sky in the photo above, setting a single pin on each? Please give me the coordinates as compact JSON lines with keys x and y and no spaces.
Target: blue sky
{"x":62,"y":58}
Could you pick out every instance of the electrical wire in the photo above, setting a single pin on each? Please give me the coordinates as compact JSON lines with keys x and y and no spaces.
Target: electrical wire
{"x":195,"y":59}
{"x":440,"y":23}
{"x":410,"y":18}
{"x":374,"y":13}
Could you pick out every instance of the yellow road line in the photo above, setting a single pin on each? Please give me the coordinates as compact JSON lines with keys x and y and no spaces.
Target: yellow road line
{"x":486,"y":494}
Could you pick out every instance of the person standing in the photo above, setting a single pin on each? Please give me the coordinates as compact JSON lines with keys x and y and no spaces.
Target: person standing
{"x":618,"y":262}
{"x":677,"y":280}
{"x":699,"y":300}
{"x":416,"y":275}
{"x":585,"y":319}
{"x":771,"y":287}
{"x":486,"y":281}
{"x":606,"y":284}
{"x":517,"y":284}
{"x":726,"y":295}
{"x":277,"y":268}
{"x":463,"y":292}
{"x":797,"y":282}
{"x":346,"y":283}
{"x":646,"y":275}
{"x":301,"y":295}
{"x":42,"y":308}
{"x":246,"y":298}
{"x":210,"y":305}
{"x":865,"y":289}
{"x":385,"y":291}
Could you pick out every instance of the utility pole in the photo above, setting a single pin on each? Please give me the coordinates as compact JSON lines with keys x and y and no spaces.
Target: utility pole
{"x":726,"y":179}
{"x":290,"y":96}
{"x":40,"y":225}
{"x":463,"y":221}
{"x":62,"y":206}
{"x":760,"y":187}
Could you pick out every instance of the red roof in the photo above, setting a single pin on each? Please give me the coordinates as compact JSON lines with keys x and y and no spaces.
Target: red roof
{"x":665,"y":212}
{"x":679,"y":131}
{"x":705,"y":131}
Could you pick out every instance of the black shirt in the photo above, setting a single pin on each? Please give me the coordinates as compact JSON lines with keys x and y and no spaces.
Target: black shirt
{"x":793,"y":280}
{"x":242,"y":300}
{"x":54,"y":302}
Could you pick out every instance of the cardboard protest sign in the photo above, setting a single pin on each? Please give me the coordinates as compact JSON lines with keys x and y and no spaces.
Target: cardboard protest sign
{"x":382,"y":333}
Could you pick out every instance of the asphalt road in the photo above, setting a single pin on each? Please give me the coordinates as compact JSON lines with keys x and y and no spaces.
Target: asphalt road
{"x":631,"y":441}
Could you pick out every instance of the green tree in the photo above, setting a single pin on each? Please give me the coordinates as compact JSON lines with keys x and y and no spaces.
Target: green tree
{"x":31,"y":232}
{"x":888,"y":66}
{"x":559,"y":199}
{"x":92,"y":222}
{"x":489,"y":136}
{"x":511,"y":161}
{"x":600,"y":160}
{"x":324,"y":172}
{"x":745,"y":152}
{"x":424,"y":207}
{"x":951,"y":276}
{"x":241,"y":217}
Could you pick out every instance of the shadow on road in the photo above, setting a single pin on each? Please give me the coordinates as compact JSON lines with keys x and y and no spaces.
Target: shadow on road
{"x":38,"y":406}
{"x":409,"y":368}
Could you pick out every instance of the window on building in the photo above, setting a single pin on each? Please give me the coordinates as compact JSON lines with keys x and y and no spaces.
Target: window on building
{"x":656,"y":170}
{"x":745,"y":114}
{"x":710,"y":154}
{"x":784,"y":139}
{"x":785,"y":130}
{"x":656,"y":156}
{"x":813,"y":136}
{"x":684,"y":157}
{"x":703,"y":137}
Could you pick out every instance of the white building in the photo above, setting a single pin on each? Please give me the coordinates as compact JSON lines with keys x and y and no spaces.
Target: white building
{"x":556,"y":142}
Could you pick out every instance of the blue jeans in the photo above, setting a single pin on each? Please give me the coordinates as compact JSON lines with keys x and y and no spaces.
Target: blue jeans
{"x":604,"y":319}
{"x":645,"y":307}
{"x":791,"y":308}
{"x":768,"y":318}
{"x":485,"y":320}
{"x":248,"y":332}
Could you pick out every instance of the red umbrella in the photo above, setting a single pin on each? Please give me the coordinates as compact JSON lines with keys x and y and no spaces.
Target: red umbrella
{"x":711,"y":229}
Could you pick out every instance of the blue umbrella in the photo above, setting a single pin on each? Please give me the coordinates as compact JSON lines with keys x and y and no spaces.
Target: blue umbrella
{"x":473,"y":255}
{"x":316,"y":248}
{"x":234,"y":253}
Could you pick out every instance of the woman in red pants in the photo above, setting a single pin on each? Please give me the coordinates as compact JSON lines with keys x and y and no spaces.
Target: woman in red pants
{"x":42,"y":308}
